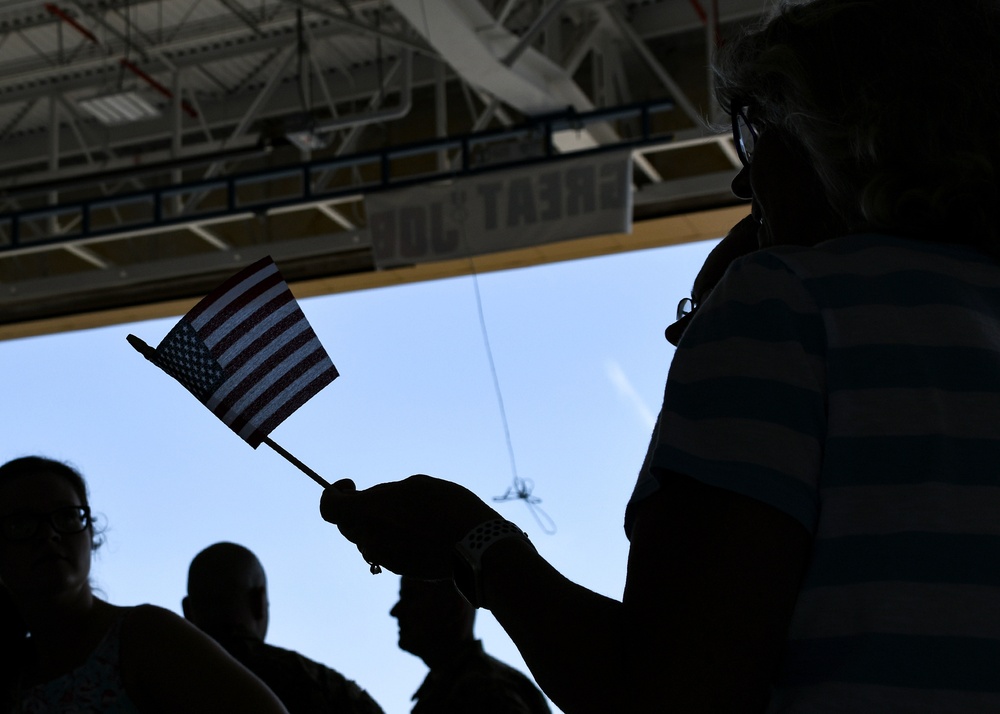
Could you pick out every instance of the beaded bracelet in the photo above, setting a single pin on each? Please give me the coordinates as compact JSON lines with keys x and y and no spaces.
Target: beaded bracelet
{"x":467,"y":565}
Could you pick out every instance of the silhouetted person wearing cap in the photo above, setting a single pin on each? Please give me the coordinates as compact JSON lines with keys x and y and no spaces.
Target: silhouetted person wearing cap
{"x":436,"y":624}
{"x":227,"y":599}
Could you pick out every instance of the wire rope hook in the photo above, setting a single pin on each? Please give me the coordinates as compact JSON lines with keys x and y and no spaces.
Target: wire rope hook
{"x":521,"y":490}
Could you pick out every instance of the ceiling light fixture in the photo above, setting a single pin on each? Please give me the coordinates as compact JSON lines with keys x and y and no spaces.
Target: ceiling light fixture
{"x":120,"y":108}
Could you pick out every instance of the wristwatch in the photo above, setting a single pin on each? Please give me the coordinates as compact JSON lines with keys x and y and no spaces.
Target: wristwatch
{"x":467,"y":556}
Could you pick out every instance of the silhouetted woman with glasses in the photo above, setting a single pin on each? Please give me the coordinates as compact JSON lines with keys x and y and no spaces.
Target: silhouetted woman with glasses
{"x":815,"y":527}
{"x":66,"y":650}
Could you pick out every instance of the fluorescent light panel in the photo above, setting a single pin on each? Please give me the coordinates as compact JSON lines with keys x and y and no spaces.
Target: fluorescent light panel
{"x":120,"y":108}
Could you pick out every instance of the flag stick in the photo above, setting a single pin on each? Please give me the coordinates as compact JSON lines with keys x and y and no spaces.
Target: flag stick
{"x":302,"y":467}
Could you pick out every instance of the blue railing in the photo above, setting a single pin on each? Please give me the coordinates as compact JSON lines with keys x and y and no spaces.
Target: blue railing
{"x":303,"y":183}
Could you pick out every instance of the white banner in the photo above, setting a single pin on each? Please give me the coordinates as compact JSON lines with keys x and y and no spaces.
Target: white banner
{"x":531,"y":205}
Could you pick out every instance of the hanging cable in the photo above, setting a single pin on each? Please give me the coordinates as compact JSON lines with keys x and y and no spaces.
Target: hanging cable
{"x":520,"y":488}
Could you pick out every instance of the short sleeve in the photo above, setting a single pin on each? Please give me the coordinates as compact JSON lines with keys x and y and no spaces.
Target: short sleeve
{"x":744,"y":406}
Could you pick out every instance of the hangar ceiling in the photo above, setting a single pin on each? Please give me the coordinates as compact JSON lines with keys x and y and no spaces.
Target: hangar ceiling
{"x":148,"y":148}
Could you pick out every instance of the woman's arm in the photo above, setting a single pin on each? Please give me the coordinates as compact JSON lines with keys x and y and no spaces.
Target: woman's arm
{"x":712,"y":581}
{"x":572,"y":639}
{"x":567,"y":634}
{"x":170,"y":666}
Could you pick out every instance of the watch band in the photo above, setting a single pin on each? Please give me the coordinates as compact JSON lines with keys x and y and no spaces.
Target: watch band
{"x":468,"y":555}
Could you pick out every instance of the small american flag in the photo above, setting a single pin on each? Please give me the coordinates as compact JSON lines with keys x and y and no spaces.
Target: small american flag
{"x":247,"y":352}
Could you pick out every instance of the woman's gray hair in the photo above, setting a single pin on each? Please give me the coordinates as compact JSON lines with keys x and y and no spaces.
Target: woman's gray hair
{"x":896,"y":104}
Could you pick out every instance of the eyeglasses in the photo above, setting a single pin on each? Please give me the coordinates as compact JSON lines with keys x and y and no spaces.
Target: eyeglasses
{"x":23,"y":525}
{"x":685,"y":307}
{"x":685,"y":311}
{"x":745,"y":136}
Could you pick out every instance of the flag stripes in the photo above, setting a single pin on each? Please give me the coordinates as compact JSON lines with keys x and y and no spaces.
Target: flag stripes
{"x":248,"y":353}
{"x":281,"y":407}
{"x":243,"y":314}
{"x":254,"y":374}
{"x":275,"y":399}
{"x":229,"y":292}
{"x":237,"y":351}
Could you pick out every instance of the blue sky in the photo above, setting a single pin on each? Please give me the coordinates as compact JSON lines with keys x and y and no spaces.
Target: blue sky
{"x":581,"y":359}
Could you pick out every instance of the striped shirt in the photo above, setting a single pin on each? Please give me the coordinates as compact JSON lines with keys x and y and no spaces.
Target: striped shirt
{"x":856,"y":386}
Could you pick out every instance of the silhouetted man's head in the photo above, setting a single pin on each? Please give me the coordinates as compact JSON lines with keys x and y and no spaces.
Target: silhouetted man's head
{"x":434,"y":619}
{"x":227,"y":591}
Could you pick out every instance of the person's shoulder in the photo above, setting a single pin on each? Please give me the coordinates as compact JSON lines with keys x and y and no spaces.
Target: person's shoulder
{"x":491,"y":682}
{"x":770,"y":268}
{"x":503,"y":671}
{"x":151,"y":617}
{"x":294,"y":666}
{"x":157,"y":633}
{"x":875,"y":255}
{"x":151,"y":612}
{"x":306,"y":685}
{"x":865,"y":247}
{"x":150,"y":633}
{"x":291,"y":659}
{"x":154,"y":621}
